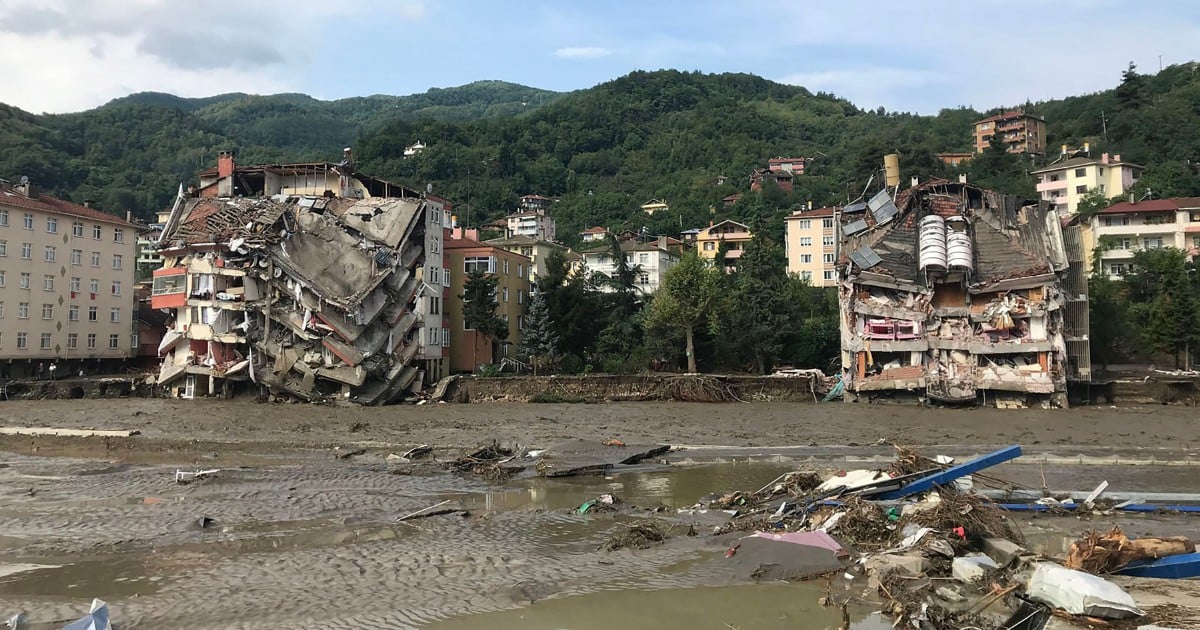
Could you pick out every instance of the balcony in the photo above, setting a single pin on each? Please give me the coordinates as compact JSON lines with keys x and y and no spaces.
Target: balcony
{"x":1158,"y":229}
{"x":1049,"y":186}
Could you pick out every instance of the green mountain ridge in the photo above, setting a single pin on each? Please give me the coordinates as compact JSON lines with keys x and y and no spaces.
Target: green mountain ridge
{"x":603,"y":151}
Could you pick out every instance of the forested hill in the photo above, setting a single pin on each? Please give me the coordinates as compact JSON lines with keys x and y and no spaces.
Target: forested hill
{"x":133,"y":152}
{"x":603,"y":151}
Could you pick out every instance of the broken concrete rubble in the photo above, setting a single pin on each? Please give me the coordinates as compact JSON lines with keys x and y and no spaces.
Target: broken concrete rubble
{"x":310,"y":296}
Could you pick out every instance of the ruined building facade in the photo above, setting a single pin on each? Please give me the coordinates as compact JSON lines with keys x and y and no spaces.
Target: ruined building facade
{"x":308,"y":280}
{"x":958,"y":295}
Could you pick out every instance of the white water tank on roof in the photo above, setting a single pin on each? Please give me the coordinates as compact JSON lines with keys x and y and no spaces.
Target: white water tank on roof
{"x":931,"y":243}
{"x":960,"y":250}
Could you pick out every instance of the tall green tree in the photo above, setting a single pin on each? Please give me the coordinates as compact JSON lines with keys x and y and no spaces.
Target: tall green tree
{"x":1131,"y":93}
{"x":1165,"y":300}
{"x":479,"y":310}
{"x":686,"y":302}
{"x":574,"y":307}
{"x":539,"y":340}
{"x":757,"y":313}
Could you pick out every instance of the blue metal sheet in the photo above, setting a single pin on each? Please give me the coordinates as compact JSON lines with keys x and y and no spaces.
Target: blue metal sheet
{"x":1178,"y":567}
{"x":948,"y":476}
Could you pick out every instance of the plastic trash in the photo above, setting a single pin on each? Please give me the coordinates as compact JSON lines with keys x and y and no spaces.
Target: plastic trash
{"x":970,"y":568}
{"x":1080,"y":593}
{"x":96,"y":619}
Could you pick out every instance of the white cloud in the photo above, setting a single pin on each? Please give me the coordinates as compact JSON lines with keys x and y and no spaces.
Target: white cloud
{"x":582,"y":52}
{"x":63,"y":56}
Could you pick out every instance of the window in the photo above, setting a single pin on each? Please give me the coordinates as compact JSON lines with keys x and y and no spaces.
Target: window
{"x":445,"y":337}
{"x":827,"y":223}
{"x":1,"y":310}
{"x":433,"y":337}
{"x":805,"y":224}
{"x":96,"y":232}
{"x":72,"y":340}
{"x":1195,"y":243}
{"x":76,"y":257}
{"x":73,"y":313}
{"x":118,"y":235}
{"x":506,"y":266}
{"x":51,"y":225}
{"x":28,"y":221}
{"x":1,"y":279}
{"x":805,"y":241}
{"x":1081,"y":172}
{"x":134,"y":342}
{"x":114,"y":341}
{"x":45,"y":341}
{"x":644,"y":279}
{"x":829,"y":275}
{"x":95,"y":259}
{"x":114,"y":315}
{"x":520,"y":323}
{"x":1152,"y":243}
{"x":520,"y":296}
{"x":3,"y":218}
{"x":47,"y":311}
{"x":22,"y":341}
{"x":24,"y":281}
{"x":434,"y":244}
{"x":93,"y":314}
{"x":827,"y":241}
{"x":27,"y":251}
{"x":436,"y":217}
{"x":486,"y":264}
{"x":1079,"y":190}
{"x":806,"y":275}
{"x":50,"y":253}
{"x":806,"y":259}
{"x":828,"y":258}
{"x":95,"y":286}
{"x":47,"y":283}
{"x":23,"y":310}
{"x":1116,"y":269}
{"x":504,"y":294}
{"x":445,"y":276}
{"x":75,"y":284}
{"x":708,"y":246}
{"x":77,"y":229}
{"x":434,"y":305}
{"x":116,"y":261}
{"x":1111,"y":221}
{"x":91,"y":341}
{"x":3,"y":248}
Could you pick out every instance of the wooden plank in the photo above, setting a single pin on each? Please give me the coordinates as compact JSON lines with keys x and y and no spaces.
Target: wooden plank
{"x":51,"y":431}
{"x":947,"y":476}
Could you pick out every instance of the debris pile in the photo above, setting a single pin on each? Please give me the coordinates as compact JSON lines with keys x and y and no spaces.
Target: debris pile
{"x":937,"y":553}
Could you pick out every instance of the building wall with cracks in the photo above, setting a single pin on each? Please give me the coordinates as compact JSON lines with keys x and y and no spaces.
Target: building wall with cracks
{"x":961,"y":295}
{"x":313,"y":297}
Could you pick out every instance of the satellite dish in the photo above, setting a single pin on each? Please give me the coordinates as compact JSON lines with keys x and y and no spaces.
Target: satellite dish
{"x":24,"y":179}
{"x":428,"y":188}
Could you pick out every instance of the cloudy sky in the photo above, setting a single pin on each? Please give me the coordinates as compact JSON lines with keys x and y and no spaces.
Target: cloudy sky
{"x":68,"y":55}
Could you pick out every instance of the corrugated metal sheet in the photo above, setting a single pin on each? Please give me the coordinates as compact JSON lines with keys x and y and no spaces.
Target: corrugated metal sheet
{"x":865,"y":257}
{"x":854,"y":227}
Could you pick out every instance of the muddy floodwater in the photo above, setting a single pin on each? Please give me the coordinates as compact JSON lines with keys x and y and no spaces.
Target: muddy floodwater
{"x":288,"y":535}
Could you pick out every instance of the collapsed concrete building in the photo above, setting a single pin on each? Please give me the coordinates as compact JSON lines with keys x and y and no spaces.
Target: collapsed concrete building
{"x":313,"y":285}
{"x":959,"y":295}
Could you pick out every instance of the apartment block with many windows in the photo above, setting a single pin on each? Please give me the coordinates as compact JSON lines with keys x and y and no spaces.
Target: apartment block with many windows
{"x":1122,"y":230}
{"x":465,"y":253}
{"x":66,"y":286}
{"x":811,"y":248}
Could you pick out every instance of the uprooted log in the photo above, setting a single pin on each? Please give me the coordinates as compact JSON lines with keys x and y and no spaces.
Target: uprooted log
{"x":695,"y":388}
{"x":1105,"y":553}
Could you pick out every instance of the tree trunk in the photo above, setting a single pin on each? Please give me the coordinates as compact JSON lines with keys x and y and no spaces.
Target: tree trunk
{"x":691,"y":351}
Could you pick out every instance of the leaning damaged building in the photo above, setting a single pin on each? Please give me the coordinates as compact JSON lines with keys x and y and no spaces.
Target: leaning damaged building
{"x":959,"y":295}
{"x":308,"y":283}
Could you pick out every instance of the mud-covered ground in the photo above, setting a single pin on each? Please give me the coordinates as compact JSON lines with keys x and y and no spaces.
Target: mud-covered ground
{"x":289,"y":535}
{"x":204,"y":430}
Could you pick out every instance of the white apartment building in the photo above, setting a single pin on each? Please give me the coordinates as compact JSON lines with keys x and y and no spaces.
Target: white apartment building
{"x":652,"y":260}
{"x":1128,"y":227}
{"x":1065,"y":182}
{"x":66,"y":286}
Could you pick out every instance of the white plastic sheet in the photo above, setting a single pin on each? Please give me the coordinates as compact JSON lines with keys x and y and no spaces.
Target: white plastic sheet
{"x":1080,"y":593}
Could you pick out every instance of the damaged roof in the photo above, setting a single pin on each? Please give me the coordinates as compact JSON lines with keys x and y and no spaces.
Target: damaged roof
{"x":1011,"y":239}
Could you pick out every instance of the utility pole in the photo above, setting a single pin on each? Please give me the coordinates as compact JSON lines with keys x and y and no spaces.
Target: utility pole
{"x":1160,"y":63}
{"x":1104,"y":124}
